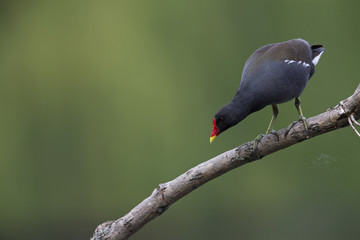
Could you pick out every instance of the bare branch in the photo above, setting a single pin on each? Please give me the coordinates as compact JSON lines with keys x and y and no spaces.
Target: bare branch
{"x":347,"y":111}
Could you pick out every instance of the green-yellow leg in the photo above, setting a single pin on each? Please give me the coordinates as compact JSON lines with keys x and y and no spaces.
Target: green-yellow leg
{"x":270,"y":128}
{"x":301,"y":117}
{"x":273,"y":119}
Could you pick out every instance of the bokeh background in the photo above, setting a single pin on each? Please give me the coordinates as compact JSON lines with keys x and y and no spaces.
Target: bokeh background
{"x":100,"y":101}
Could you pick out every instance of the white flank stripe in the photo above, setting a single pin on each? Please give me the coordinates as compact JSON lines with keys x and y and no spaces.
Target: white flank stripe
{"x":298,"y":62}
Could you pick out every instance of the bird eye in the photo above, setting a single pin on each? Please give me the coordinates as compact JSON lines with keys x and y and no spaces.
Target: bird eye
{"x":221,"y":119}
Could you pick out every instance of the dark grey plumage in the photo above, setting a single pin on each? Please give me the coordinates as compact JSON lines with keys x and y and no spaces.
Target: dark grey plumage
{"x":273,"y":74}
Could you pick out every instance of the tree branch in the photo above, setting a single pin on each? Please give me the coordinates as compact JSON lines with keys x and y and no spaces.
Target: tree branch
{"x":345,"y":113}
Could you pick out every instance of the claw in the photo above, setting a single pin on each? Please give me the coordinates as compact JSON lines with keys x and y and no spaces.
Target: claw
{"x":289,"y":128}
{"x":303,"y":120}
{"x":257,"y":140}
{"x":273,"y":132}
{"x":256,"y":143}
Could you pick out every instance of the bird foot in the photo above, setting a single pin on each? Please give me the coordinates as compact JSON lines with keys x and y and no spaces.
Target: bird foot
{"x":289,"y":127}
{"x":257,"y":140}
{"x":303,"y":120}
{"x":273,"y":132}
{"x":256,"y":143}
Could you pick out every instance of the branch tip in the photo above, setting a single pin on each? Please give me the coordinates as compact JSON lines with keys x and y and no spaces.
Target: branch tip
{"x":351,"y":119}
{"x":354,"y":120}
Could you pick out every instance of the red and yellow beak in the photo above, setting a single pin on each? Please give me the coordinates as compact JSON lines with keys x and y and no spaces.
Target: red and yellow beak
{"x":214,"y":132}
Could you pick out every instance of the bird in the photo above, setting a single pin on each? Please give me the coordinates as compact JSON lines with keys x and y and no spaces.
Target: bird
{"x":274,"y":74}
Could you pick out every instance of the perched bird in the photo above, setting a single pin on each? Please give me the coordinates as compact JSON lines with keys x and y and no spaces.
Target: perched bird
{"x":273,"y":74}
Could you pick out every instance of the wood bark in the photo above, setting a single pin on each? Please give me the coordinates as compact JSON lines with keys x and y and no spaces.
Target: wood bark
{"x":343,"y":114}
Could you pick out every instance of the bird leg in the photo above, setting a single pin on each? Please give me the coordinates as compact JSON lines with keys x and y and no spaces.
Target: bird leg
{"x":301,"y":118}
{"x":273,"y":119}
{"x":270,"y":128}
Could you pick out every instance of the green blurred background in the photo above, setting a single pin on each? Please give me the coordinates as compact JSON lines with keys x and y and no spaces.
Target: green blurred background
{"x":100,"y":101}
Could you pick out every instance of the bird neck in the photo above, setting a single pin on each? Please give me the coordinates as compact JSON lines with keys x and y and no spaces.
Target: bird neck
{"x":241,"y":105}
